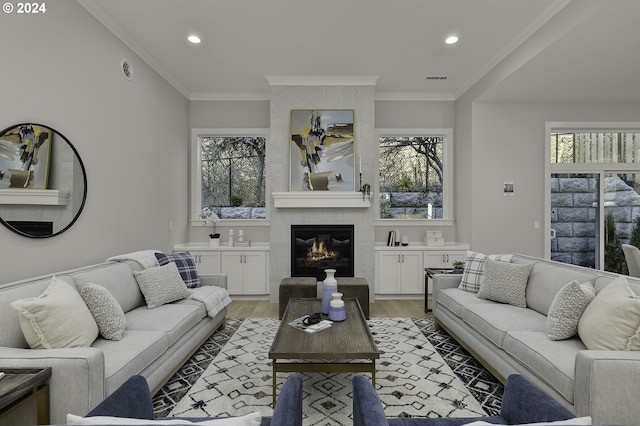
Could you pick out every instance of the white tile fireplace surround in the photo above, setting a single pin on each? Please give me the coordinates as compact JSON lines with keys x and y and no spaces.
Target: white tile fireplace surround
{"x":314,"y":207}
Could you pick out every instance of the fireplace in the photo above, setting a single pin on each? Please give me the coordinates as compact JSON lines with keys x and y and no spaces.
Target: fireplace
{"x":315,"y":248}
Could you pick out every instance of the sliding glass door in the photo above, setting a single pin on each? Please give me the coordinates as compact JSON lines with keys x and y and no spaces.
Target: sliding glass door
{"x":594,"y":197}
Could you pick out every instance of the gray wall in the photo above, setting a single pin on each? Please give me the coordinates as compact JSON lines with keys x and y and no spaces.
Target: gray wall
{"x":62,"y":69}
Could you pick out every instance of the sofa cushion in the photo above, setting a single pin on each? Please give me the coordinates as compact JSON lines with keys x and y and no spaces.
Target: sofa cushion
{"x":130,"y":355}
{"x":574,"y":422}
{"x":473,"y":273}
{"x":105,"y":309}
{"x":551,"y":361}
{"x":118,"y":279}
{"x":545,"y":281}
{"x":612,"y":319}
{"x":186,"y":266}
{"x":173,"y":319}
{"x":505,"y":282}
{"x":567,"y":308}
{"x":494,"y":320}
{"x":455,"y":300}
{"x":161,"y":285}
{"x":57,"y":318}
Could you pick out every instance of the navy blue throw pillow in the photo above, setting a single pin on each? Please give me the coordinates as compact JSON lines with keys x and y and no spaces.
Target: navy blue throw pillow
{"x":186,"y":266}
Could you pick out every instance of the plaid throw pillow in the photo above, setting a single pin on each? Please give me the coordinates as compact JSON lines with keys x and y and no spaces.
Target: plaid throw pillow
{"x":186,"y":266}
{"x":473,"y":273}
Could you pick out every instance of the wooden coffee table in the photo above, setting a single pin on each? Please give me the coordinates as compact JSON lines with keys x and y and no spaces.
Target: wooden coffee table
{"x":344,"y":341}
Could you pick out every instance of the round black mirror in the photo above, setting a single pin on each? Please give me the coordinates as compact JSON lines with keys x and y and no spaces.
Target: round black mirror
{"x":43,"y":183}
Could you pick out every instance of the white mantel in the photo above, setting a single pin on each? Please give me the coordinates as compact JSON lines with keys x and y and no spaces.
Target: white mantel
{"x":50,"y":197}
{"x":316,"y":199}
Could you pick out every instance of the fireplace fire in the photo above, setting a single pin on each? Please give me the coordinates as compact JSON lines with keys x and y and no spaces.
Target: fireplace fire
{"x":315,"y":248}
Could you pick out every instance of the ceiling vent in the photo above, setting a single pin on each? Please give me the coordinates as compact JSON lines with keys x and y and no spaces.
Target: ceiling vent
{"x":127,"y":69}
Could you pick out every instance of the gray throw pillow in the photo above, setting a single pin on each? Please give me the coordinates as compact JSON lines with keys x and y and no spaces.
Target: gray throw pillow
{"x":105,"y":310}
{"x":505,"y":282}
{"x":567,"y":307}
{"x":161,"y":285}
{"x":473,"y":273}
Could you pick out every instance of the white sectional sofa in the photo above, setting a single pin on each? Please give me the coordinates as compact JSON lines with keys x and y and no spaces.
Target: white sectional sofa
{"x":155,"y":342}
{"x":507,"y":339}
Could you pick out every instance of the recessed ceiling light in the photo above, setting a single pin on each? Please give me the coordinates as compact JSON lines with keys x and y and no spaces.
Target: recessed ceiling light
{"x":451,"y":40}
{"x":194,"y":39}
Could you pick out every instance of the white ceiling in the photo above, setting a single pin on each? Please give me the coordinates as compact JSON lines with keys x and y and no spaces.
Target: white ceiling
{"x":401,"y":42}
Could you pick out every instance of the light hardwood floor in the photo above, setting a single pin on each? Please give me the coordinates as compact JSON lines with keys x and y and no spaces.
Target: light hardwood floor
{"x":408,"y":308}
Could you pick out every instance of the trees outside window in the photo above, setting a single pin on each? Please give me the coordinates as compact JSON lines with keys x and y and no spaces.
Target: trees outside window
{"x":414,"y":175}
{"x":229,"y":175}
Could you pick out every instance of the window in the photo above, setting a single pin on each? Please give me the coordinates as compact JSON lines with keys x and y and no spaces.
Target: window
{"x":594,"y":194}
{"x":415,"y":174}
{"x":229,"y":173}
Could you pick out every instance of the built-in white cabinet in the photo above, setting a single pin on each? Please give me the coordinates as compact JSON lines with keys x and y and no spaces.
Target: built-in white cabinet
{"x":443,"y":259}
{"x":246,"y":272}
{"x":246,"y":267}
{"x":401,"y":270}
{"x":207,"y":262}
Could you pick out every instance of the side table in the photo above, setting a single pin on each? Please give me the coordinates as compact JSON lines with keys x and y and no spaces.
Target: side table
{"x":428,"y":274}
{"x":21,"y":391}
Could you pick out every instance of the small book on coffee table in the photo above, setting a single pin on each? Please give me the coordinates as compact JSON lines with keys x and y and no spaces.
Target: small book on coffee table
{"x":299,"y":324}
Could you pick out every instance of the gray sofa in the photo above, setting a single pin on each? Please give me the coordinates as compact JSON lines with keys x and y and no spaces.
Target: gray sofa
{"x":155,"y":343}
{"x":509,"y":340}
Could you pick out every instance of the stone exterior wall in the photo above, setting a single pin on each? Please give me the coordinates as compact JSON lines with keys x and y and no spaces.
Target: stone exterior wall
{"x":414,"y":204}
{"x":573,"y":216}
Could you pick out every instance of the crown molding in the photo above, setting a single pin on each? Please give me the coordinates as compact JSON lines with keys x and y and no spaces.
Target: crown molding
{"x":329,"y":80}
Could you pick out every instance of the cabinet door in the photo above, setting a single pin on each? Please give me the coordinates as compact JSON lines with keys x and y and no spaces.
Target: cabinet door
{"x":434,"y":259}
{"x":453,"y":256}
{"x":207,"y":262}
{"x":232,"y":265}
{"x":255,"y":272}
{"x":388,"y":266}
{"x":411,"y":272}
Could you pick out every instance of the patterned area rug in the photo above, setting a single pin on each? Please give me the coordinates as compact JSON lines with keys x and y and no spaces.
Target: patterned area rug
{"x":413,"y":379}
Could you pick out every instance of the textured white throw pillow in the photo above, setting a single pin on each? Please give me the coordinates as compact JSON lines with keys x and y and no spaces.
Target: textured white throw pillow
{"x":612,"y":319}
{"x":505,"y":282}
{"x":161,"y":285}
{"x":58,"y":318}
{"x":473,"y":273}
{"x":105,"y":310}
{"x":567,"y":307}
{"x":252,"y":419}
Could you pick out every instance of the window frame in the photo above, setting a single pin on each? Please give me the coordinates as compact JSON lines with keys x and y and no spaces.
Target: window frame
{"x":195,"y":188}
{"x":448,"y":184}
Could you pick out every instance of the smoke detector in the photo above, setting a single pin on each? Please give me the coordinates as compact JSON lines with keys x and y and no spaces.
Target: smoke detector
{"x":127,"y":69}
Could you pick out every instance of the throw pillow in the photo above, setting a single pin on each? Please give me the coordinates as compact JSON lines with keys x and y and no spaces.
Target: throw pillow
{"x":58,"y":318}
{"x":186,"y":266}
{"x":612,"y":319}
{"x":473,"y":273}
{"x":567,"y":307}
{"x":105,"y":309}
{"x":505,"y":282}
{"x":161,"y":285}
{"x":252,"y":419}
